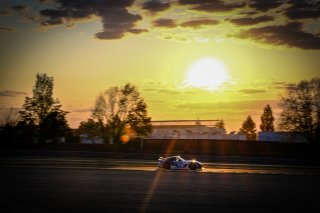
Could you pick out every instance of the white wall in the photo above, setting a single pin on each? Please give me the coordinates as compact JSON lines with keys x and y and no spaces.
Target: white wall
{"x":193,"y":132}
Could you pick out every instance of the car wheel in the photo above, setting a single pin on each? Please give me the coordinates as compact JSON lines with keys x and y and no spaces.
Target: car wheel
{"x":166,"y":165}
{"x":193,"y":166}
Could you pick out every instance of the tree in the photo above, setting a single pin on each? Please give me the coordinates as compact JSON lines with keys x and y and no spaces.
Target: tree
{"x":122,"y":108}
{"x":249,"y":128}
{"x":220,"y":124}
{"x":9,"y":117}
{"x":267,"y":119}
{"x":54,"y":126}
{"x":93,"y":129}
{"x":301,"y":109}
{"x":100,"y":108}
{"x":42,"y":112}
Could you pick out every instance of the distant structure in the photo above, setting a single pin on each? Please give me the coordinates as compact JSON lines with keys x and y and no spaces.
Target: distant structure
{"x":88,"y":139}
{"x":191,"y":129}
{"x":289,"y":137}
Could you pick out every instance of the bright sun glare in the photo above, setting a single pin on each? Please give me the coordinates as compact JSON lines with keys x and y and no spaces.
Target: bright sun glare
{"x":207,"y":73}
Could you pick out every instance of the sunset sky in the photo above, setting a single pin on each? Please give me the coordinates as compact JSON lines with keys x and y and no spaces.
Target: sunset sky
{"x":91,"y":45}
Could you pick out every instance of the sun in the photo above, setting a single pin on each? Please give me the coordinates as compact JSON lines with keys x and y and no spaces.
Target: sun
{"x":207,"y":73}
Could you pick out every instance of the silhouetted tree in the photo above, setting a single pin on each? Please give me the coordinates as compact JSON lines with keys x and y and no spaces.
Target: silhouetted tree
{"x":43,"y":113}
{"x":220,"y":124}
{"x":54,"y":126}
{"x":267,"y":119}
{"x":119,"y":108}
{"x":301,"y":109}
{"x":249,"y":128}
{"x":9,"y":117}
{"x":100,"y":109}
{"x":93,"y":129}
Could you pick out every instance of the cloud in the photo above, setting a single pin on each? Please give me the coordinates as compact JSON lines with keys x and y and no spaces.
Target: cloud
{"x":6,"y":29}
{"x":138,"y":31}
{"x":155,"y":6}
{"x":251,"y":21}
{"x":281,"y":85}
{"x":303,"y":9}
{"x":165,"y":91}
{"x":290,"y":35}
{"x":265,"y":5}
{"x":114,"y":15}
{"x":252,"y":91}
{"x":11,"y":93}
{"x":21,"y":9}
{"x":250,"y":13}
{"x":4,"y":12}
{"x":165,"y":23}
{"x":122,"y":17}
{"x":117,"y":23}
{"x":211,"y":5}
{"x":232,"y":105}
{"x":199,"y":23}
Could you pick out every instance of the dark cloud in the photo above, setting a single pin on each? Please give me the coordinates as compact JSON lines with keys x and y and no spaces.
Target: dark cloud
{"x":11,"y":93}
{"x":302,"y":9}
{"x":54,"y":17}
{"x":250,"y":13}
{"x":4,"y":12}
{"x":211,"y":5}
{"x":164,"y":22}
{"x":138,"y":31}
{"x":115,"y":17}
{"x":155,"y":6}
{"x":117,"y":23}
{"x":251,"y":21}
{"x":254,"y":91}
{"x":7,"y":29}
{"x":265,"y":5}
{"x":290,"y":35}
{"x":19,"y":8}
{"x":199,"y":23}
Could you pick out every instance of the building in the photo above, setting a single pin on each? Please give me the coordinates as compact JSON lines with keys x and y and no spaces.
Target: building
{"x":89,"y":139}
{"x":191,"y":129}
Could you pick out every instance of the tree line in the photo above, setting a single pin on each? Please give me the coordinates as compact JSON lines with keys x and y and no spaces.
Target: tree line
{"x":120,"y":114}
{"x":300,"y":112}
{"x":267,"y":124}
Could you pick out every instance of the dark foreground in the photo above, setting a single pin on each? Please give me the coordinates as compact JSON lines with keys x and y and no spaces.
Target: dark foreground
{"x":107,"y":190}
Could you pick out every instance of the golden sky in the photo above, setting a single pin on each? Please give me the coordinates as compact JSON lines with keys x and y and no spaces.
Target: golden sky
{"x":91,"y":45}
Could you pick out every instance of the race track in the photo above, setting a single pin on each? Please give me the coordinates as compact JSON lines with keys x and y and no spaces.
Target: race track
{"x":39,"y":189}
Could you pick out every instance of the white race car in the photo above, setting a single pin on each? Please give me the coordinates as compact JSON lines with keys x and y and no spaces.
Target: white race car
{"x":177,"y":162}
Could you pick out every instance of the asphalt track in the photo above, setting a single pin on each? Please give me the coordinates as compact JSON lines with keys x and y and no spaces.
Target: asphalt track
{"x":91,"y":185}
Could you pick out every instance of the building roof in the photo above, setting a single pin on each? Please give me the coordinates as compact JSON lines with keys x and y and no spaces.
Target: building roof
{"x":184,"y":123}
